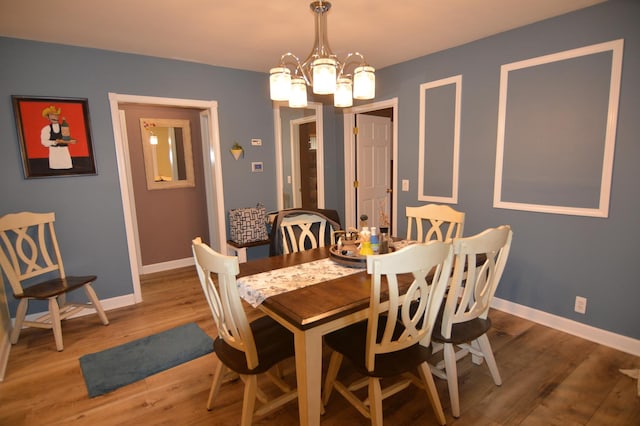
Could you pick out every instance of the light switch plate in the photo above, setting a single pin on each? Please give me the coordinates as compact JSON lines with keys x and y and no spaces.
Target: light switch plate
{"x":405,"y":185}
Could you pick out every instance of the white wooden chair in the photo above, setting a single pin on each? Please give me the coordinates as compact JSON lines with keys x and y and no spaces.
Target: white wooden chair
{"x":464,"y":321}
{"x":395,"y":340}
{"x":243,"y":348}
{"x":304,"y":232}
{"x":434,"y":222}
{"x":31,"y":261}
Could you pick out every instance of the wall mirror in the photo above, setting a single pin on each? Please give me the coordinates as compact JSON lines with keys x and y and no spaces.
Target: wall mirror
{"x":299,"y":156}
{"x":168,"y":158}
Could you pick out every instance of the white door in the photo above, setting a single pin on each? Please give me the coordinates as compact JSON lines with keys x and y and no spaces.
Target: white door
{"x":373,"y":171}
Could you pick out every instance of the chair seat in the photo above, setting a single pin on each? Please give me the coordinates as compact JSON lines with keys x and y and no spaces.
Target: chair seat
{"x":55,"y":287}
{"x":274,"y":343}
{"x":351,"y":342}
{"x":462,"y":332}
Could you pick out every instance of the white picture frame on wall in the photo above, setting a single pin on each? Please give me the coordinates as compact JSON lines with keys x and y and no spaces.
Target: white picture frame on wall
{"x":439,"y":140}
{"x":556,"y":134}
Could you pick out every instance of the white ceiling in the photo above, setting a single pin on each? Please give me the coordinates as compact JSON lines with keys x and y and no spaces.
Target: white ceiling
{"x":252,"y":34}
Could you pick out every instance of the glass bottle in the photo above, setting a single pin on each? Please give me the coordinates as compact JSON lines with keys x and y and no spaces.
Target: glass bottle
{"x":64,"y":129}
{"x":365,"y":244}
{"x":363,"y":221}
{"x":384,"y":243}
{"x":375,"y":242}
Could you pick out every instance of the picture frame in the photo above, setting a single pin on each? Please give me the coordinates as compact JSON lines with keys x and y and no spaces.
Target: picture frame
{"x":439,"y":140}
{"x":557,"y":118}
{"x":54,"y":136}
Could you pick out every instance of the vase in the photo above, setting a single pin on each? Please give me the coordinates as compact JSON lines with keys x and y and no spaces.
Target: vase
{"x":237,"y":153}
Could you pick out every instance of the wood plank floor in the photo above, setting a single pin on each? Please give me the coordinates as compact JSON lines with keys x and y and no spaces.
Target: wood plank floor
{"x":549,"y":378}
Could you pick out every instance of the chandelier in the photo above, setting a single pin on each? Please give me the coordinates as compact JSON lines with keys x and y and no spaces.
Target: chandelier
{"x":322,"y":70}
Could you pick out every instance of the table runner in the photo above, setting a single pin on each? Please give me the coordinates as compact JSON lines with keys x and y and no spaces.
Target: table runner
{"x":258,"y":287}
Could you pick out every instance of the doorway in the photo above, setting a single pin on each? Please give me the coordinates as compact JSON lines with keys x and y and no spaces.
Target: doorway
{"x":288,"y":142}
{"x":378,"y":158}
{"x":305,"y":178}
{"x":212,"y":176}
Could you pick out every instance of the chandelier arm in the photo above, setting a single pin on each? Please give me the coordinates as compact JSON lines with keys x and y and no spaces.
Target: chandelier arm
{"x":291,"y":61}
{"x":351,"y":59}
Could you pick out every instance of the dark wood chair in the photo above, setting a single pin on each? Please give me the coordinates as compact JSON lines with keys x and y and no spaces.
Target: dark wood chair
{"x":243,"y":348}
{"x":31,"y":261}
{"x":463,"y":322}
{"x":395,"y":340}
{"x":281,"y":241}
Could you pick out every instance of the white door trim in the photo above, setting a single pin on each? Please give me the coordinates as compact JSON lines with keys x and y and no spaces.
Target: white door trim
{"x":350,"y":157}
{"x":213,"y":174}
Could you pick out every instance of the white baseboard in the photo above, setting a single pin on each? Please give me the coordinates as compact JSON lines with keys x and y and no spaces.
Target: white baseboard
{"x":603,"y":337}
{"x":166,"y":266}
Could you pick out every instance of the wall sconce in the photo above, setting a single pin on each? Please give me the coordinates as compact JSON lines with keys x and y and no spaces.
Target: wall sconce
{"x":153,"y":139}
{"x":237,"y":151}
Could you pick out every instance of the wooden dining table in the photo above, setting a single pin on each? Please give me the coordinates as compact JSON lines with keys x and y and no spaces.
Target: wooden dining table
{"x":310,"y":313}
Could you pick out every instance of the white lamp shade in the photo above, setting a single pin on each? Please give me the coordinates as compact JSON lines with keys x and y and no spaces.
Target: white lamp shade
{"x":153,"y":139}
{"x":324,"y":76}
{"x":298,"y":96}
{"x":364,"y":83}
{"x":280,"y":83}
{"x":342,"y":98}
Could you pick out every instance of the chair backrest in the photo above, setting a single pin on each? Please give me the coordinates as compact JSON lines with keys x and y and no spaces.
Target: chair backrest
{"x":430,"y":264}
{"x":472,"y":289}
{"x":434,"y":222}
{"x":28,"y":248}
{"x":224,"y":301}
{"x":303,"y":232}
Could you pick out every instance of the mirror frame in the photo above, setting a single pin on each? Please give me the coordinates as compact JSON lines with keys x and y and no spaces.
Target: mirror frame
{"x":149,"y":157}
{"x":317,"y":107}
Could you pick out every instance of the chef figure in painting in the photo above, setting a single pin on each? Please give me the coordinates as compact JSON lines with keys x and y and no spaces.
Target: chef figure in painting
{"x":51,"y":137}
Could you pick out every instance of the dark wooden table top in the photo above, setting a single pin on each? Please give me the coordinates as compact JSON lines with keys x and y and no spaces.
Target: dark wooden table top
{"x":318,"y":303}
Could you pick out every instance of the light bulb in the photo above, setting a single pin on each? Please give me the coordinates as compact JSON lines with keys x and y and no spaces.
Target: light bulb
{"x":280,"y":83}
{"x":324,"y":76}
{"x":342,"y":98}
{"x":298,"y":97}
{"x":364,"y":82}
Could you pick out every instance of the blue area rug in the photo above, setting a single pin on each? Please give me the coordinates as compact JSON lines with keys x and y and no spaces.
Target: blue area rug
{"x":116,"y":367}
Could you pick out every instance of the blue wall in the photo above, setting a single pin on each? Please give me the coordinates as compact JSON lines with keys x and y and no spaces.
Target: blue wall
{"x":554,"y":257}
{"x":88,"y":209}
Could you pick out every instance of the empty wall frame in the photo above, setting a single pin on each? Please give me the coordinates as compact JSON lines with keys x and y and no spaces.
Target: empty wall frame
{"x":439,"y":140}
{"x":556,"y":131}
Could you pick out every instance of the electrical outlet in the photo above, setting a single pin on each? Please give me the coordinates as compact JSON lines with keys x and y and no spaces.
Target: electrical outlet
{"x":581,"y":305}
{"x":405,"y":185}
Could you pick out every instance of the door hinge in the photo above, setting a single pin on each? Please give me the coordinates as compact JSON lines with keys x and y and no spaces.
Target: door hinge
{"x":355,"y":131}
{"x":356,"y":184}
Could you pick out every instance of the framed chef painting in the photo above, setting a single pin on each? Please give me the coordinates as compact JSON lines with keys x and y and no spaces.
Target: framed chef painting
{"x":54,"y":135}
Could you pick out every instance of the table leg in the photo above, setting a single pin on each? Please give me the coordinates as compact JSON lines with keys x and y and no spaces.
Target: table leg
{"x":308,"y":345}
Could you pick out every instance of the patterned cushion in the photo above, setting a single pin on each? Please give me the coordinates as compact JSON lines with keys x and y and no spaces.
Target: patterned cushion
{"x":248,"y":224}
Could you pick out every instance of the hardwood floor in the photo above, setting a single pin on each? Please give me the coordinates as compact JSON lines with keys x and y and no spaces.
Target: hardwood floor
{"x":549,"y":378}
